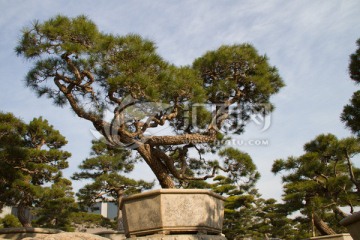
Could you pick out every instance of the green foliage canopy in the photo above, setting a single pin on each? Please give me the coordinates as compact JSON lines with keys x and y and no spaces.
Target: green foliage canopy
{"x":75,"y":63}
{"x":30,"y":156}
{"x":351,"y":112}
{"x":246,"y":213}
{"x":10,"y":221}
{"x":322,"y":180}
{"x":56,"y":205}
{"x":105,"y":168}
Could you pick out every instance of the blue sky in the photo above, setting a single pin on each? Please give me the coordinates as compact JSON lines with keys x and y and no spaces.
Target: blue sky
{"x":308,"y":41}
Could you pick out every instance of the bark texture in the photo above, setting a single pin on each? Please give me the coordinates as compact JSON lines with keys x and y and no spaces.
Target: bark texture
{"x":322,"y":227}
{"x":24,"y":216}
{"x":158,"y":168}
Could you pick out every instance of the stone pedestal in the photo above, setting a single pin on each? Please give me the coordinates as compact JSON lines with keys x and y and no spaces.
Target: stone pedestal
{"x":24,"y":232}
{"x":173,"y":211}
{"x":342,"y":236}
{"x":352,"y":223}
{"x":180,"y":237}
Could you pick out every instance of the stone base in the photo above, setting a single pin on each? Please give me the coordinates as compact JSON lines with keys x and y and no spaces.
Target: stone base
{"x":65,"y":236}
{"x":342,"y":236}
{"x":24,"y":232}
{"x":113,"y":235}
{"x":180,"y":237}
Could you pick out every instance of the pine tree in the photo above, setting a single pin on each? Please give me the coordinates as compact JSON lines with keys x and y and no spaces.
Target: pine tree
{"x":240,"y":192}
{"x":321,"y":181}
{"x":351,"y":113}
{"x":56,"y":206}
{"x":104,"y":169}
{"x":10,"y":221}
{"x":30,"y":156}
{"x":75,"y":63}
{"x":82,"y":220}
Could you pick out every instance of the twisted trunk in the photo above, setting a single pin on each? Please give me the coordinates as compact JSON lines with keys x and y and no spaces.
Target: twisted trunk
{"x":316,"y":220}
{"x":157,"y":166}
{"x":322,"y":227}
{"x":351,"y":173}
{"x":162,"y":170}
{"x":24,"y":216}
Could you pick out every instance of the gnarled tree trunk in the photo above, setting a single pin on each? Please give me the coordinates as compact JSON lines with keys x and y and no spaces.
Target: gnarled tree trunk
{"x":157,"y":166}
{"x":24,"y":216}
{"x":322,"y":227}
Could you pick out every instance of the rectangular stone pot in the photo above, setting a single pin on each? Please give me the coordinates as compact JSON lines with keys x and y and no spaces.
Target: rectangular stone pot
{"x":173,"y":211}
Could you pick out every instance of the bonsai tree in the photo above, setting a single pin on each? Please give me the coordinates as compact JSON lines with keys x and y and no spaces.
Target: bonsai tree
{"x":351,"y":114}
{"x":30,"y":157}
{"x":104,"y":168}
{"x":321,"y":181}
{"x":161,"y":111}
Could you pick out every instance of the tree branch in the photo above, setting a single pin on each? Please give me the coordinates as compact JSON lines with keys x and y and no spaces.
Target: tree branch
{"x":169,"y":162}
{"x":180,"y":139}
{"x":351,"y":172}
{"x":73,"y":68}
{"x":98,"y":123}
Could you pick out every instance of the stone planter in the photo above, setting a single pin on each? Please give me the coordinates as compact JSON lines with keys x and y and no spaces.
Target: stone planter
{"x":352,"y":223}
{"x":173,"y":211}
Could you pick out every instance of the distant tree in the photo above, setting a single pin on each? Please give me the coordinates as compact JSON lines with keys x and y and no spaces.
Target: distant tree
{"x":10,"y":221}
{"x":104,"y":169}
{"x":321,"y":181}
{"x":274,"y":223}
{"x":351,"y":113}
{"x":82,"y":221}
{"x":247,"y":215}
{"x":240,"y":193}
{"x":30,"y":156}
{"x":354,"y":65}
{"x":241,"y":216}
{"x":56,"y":206}
{"x":94,"y":72}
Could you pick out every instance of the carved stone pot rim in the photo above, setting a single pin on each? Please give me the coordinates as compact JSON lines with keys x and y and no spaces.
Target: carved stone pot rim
{"x":171,"y":191}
